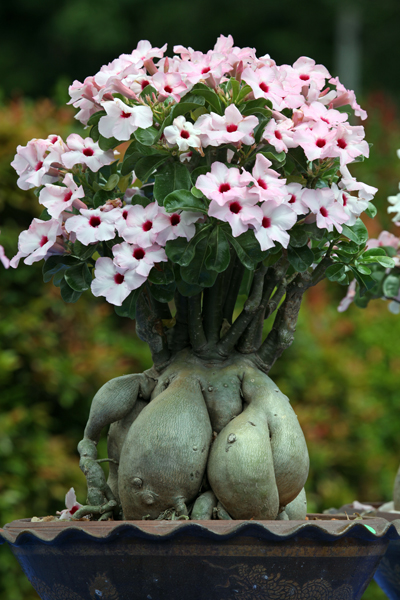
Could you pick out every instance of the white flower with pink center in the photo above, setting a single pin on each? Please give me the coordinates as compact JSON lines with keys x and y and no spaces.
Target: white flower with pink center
{"x":350,"y":143}
{"x":122,"y":120}
{"x":322,"y":203}
{"x":318,"y":112}
{"x":280,"y":134}
{"x":223,"y":183}
{"x":183,"y":133}
{"x":384,"y":239}
{"x":83,"y":97}
{"x":171,"y":226}
{"x":352,"y":206}
{"x":345,"y":96}
{"x":58,"y":198}
{"x":113,"y":282}
{"x":349,"y":297}
{"x":276,"y":220}
{"x":84,"y":151}
{"x":318,"y":142}
{"x":144,"y":51}
{"x":71,"y":504}
{"x":31,"y":165}
{"x":395,"y":208}
{"x":295,"y":192}
{"x":230,"y":128}
{"x":138,"y":259}
{"x":306,"y":71}
{"x":268,"y":184}
{"x":170,"y":85}
{"x":201,"y":66}
{"x":265,"y":84}
{"x":350,"y":183}
{"x":137,"y":226}
{"x":240,"y":213}
{"x":38,"y":241}
{"x":92,"y":225}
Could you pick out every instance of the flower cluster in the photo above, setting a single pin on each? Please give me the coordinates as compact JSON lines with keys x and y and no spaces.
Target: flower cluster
{"x":226,"y":149}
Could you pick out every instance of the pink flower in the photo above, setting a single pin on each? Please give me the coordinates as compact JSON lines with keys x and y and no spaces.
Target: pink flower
{"x":349,"y":297}
{"x":318,"y":112}
{"x":83,"y":97}
{"x":170,"y":85}
{"x":92,"y":225}
{"x":223,"y":183}
{"x":122,"y":120}
{"x":385,"y":239}
{"x":294,"y":199}
{"x":113,"y":282}
{"x":171,"y":226}
{"x":228,"y":129}
{"x":138,"y":259}
{"x":305,"y":70}
{"x":137,"y":227}
{"x":183,"y":133}
{"x":240,"y":213}
{"x":71,"y":504}
{"x":59,"y":198}
{"x":276,"y":220}
{"x":317,"y":142}
{"x":32,"y":165}
{"x":144,"y":51}
{"x":329,"y":213}
{"x":350,"y":143}
{"x":268,"y":184}
{"x":366,"y":192}
{"x":86,"y":152}
{"x":280,"y":134}
{"x":265,"y":84}
{"x":38,"y":242}
{"x":345,"y":96}
{"x":197,"y":66}
{"x":3,"y":258}
{"x":352,"y":206}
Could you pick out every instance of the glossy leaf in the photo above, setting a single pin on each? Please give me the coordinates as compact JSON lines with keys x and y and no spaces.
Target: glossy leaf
{"x":83,"y":252}
{"x":128,"y":308}
{"x":298,"y":237}
{"x":56,"y":263}
{"x":336,"y":272}
{"x":358,"y":233}
{"x":391,"y":286}
{"x":219,"y":256}
{"x":180,"y":251}
{"x":209,"y":95}
{"x":163,"y":293}
{"x":197,"y":273}
{"x":79,"y":277}
{"x":148,"y":136}
{"x":108,"y":143}
{"x":300,"y":258}
{"x":147,"y":165}
{"x":100,"y":198}
{"x":68,"y":294}
{"x":174,"y":176}
{"x":162,"y":274}
{"x":184,"y":200}
{"x":111,"y":183}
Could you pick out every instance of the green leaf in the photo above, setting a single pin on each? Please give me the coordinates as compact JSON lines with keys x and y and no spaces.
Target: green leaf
{"x":259,"y":130}
{"x":174,"y":176}
{"x":188,"y":103}
{"x":313,"y":231}
{"x":128,"y":307}
{"x":94,"y":133}
{"x":68,"y":294}
{"x":253,"y":106}
{"x":358,"y":233}
{"x":79,"y":277}
{"x":148,"y":91}
{"x":298,"y":237}
{"x":112,"y":182}
{"x":199,"y":171}
{"x":147,"y":165}
{"x":163,"y":293}
{"x":336,"y":272}
{"x":366,"y":282}
{"x":180,"y":251}
{"x":148,"y":136}
{"x":142,"y":200}
{"x":300,"y":258}
{"x":162,"y":274}
{"x":56,"y":263}
{"x":134,"y":153}
{"x":244,"y":254}
{"x":44,"y":215}
{"x":184,"y":200}
{"x":373,"y":252}
{"x":100,"y":198}
{"x":196,"y":273}
{"x":246,"y":89}
{"x":108,"y":143}
{"x":391,"y":285}
{"x":364,"y":270}
{"x":386,"y":262}
{"x":371,"y":210}
{"x":279,"y":157}
{"x":234,"y":85}
{"x":83,"y":252}
{"x":209,"y":95}
{"x":94,"y":119}
{"x":219,"y":257}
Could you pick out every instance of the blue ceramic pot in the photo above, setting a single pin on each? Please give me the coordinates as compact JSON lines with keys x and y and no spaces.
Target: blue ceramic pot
{"x":319,"y":559}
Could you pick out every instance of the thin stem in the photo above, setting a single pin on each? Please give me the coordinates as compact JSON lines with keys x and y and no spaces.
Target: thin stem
{"x":234,"y":287}
{"x":180,"y":337}
{"x":213,"y":298}
{"x":196,"y":331}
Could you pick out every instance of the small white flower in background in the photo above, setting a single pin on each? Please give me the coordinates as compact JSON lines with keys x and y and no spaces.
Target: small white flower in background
{"x":183,"y":133}
{"x":71,"y":504}
{"x":38,"y":242}
{"x":395,"y":201}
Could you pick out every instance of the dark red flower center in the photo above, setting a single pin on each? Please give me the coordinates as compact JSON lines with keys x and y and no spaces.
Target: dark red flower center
{"x":118,"y":278}
{"x":147,"y":226}
{"x":325,"y":120}
{"x":235,"y":207}
{"x":168,"y":89}
{"x":88,"y":152}
{"x":144,"y":83}
{"x":224,"y":187}
{"x":54,"y":139}
{"x":344,"y":199}
{"x":320,"y":143}
{"x":342,"y":143}
{"x":68,"y":196}
{"x":266,"y":222}
{"x":125,"y":115}
{"x":205,"y":70}
{"x":262,"y":184}
{"x":138,"y":253}
{"x":304,"y":77}
{"x":185,"y":134}
{"x":231,"y":128}
{"x":175,"y":219}
{"x":292,"y":199}
{"x":323,"y":211}
{"x":263,"y":86}
{"x":44,"y":240}
{"x":94,"y":221}
{"x":125,"y":214}
{"x":73,"y":509}
{"x":39,"y":165}
{"x":278,"y":135}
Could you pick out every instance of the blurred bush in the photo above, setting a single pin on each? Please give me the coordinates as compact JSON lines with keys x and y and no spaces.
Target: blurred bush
{"x":342,"y":373}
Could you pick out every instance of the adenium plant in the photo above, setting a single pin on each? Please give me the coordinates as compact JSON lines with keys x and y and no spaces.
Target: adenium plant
{"x":211,"y":192}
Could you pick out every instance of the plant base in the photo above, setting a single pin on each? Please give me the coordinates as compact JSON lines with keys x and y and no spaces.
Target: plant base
{"x":204,"y":560}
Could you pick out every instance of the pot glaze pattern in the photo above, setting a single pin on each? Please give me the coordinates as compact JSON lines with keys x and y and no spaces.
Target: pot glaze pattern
{"x":204,"y":560}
